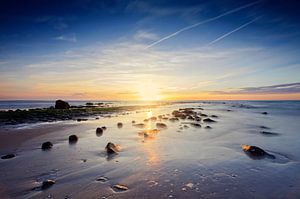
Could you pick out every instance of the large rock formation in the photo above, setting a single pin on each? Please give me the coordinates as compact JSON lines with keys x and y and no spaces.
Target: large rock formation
{"x":60,"y":104}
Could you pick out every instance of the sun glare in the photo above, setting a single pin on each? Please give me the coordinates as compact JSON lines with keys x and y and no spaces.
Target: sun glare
{"x":149,"y":92}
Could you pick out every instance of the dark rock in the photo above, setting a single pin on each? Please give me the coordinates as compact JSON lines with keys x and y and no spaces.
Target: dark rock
{"x":120,"y":124}
{"x":197,"y":125}
{"x":99,"y":131}
{"x":81,"y":120}
{"x":254,"y":150}
{"x":173,"y":119}
{"x":215,"y":116}
{"x":269,"y":133}
{"x":119,"y":188}
{"x":264,"y":113}
{"x":60,"y":104}
{"x":73,"y":139}
{"x":264,"y":127}
{"x":102,"y":179}
{"x":103,"y":128}
{"x":161,"y":125}
{"x":203,"y":115}
{"x":190,"y":117}
{"x":8,"y":156}
{"x":153,"y":118}
{"x":133,"y":122}
{"x":208,"y":120}
{"x":111,"y":148}
{"x":47,"y":145}
{"x":47,"y":184}
{"x":139,"y":125}
{"x":208,"y":127}
{"x":97,"y":118}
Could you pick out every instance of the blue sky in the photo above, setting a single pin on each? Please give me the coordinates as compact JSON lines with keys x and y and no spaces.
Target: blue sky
{"x":172,"y":49}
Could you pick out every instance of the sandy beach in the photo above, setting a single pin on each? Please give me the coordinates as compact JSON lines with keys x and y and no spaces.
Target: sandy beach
{"x":181,"y":160}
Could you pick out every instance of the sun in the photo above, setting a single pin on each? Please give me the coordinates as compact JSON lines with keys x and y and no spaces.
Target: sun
{"x":148,"y":91}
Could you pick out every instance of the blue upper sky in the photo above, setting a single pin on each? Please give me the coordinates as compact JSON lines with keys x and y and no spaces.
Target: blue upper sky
{"x":198,"y":48}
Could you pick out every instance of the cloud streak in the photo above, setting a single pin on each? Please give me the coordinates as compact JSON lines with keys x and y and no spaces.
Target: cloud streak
{"x":233,"y":31}
{"x":274,"y":89}
{"x":202,"y":22}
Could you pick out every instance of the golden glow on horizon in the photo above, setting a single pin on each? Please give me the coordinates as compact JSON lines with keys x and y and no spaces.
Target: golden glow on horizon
{"x":149,"y":114}
{"x":148,"y":91}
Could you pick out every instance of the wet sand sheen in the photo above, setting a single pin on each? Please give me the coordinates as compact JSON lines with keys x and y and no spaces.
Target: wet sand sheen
{"x":180,"y":160}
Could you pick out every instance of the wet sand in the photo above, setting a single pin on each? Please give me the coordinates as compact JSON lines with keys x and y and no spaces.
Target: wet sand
{"x":180,"y":161}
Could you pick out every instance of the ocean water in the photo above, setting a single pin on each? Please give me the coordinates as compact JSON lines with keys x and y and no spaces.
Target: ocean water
{"x":176,"y":162}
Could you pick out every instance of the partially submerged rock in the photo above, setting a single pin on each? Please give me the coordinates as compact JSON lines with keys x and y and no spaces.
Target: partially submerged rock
{"x":99,"y":131}
{"x":269,"y":133}
{"x":139,"y":125}
{"x":112,"y":148}
{"x":161,"y":125}
{"x":173,"y":119}
{"x":103,"y":128}
{"x":215,"y":116}
{"x":60,"y":104}
{"x":255,"y":152}
{"x":47,"y":145}
{"x":208,"y":127}
{"x":208,"y":120}
{"x":119,"y":188}
{"x":8,"y":156}
{"x":102,"y":179}
{"x":47,"y":184}
{"x":120,"y":124}
{"x":73,"y":139}
{"x":264,"y":113}
{"x":197,"y":125}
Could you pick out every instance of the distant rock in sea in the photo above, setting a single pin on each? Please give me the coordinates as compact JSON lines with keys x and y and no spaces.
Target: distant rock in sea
{"x":60,"y":104}
{"x":47,"y":145}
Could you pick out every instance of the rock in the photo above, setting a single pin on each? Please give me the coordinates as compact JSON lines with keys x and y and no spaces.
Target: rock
{"x":161,"y":125}
{"x":133,"y":122}
{"x":264,"y":113}
{"x":47,"y":145}
{"x":47,"y":184}
{"x":153,"y":118}
{"x":119,"y":187}
{"x":215,"y":116}
{"x":120,"y":124}
{"x":140,"y":125}
{"x":203,"y":115}
{"x":111,"y":148}
{"x":103,"y":128}
{"x":73,"y":139}
{"x":173,"y":119}
{"x":208,"y":120}
{"x":60,"y":104}
{"x":190,"y":118}
{"x":269,"y":133}
{"x":81,"y":120}
{"x":254,"y":150}
{"x":99,"y":131}
{"x":8,"y":156}
{"x":195,"y":125}
{"x":102,"y":179}
{"x":97,"y":118}
{"x":264,"y":127}
{"x":186,"y":126}
{"x":208,"y":127}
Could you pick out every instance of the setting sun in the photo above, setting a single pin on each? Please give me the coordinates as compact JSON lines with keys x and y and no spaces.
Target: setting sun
{"x":149,"y":92}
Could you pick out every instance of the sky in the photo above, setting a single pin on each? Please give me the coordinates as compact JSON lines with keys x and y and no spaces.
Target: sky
{"x":150,"y":50}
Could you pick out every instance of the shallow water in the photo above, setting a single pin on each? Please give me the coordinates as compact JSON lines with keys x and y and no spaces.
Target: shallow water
{"x":173,"y":163}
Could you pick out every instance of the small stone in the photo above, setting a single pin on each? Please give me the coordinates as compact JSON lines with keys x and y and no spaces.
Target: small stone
{"x":47,"y":184}
{"x":47,"y":145}
{"x":8,"y":156}
{"x":112,"y":148}
{"x":208,"y":127}
{"x":208,"y":120}
{"x":120,"y":124}
{"x":119,"y":187}
{"x":99,"y":131}
{"x":264,"y":113}
{"x":73,"y":139}
{"x":103,"y":128}
{"x":161,"y":125}
{"x":102,"y":179}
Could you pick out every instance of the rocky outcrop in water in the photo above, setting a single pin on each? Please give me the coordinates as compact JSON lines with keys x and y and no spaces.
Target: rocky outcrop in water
{"x":111,"y":148}
{"x":8,"y":156}
{"x":73,"y":139}
{"x":60,"y":104}
{"x":47,"y":145}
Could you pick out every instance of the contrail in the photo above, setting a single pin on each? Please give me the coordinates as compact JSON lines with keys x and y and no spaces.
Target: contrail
{"x":233,"y":31}
{"x":202,"y":22}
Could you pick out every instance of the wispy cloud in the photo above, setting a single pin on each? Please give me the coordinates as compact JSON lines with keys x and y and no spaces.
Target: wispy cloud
{"x":233,"y":31}
{"x":68,"y":38}
{"x":274,"y":89}
{"x":202,"y":22}
{"x":145,"y":35}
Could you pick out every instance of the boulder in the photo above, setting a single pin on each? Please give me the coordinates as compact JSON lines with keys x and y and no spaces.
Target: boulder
{"x":47,"y":145}
{"x":60,"y":104}
{"x":99,"y":131}
{"x":254,"y":150}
